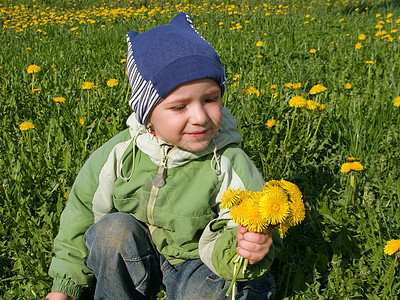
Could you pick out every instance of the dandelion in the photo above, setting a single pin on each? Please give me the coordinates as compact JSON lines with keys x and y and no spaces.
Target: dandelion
{"x":321,"y":107}
{"x":59,"y":99}
{"x":230,"y":198}
{"x":237,"y":76}
{"x":296,"y":85}
{"x":259,"y":43}
{"x":81,"y":121}
{"x":273,"y":86}
{"x":87,"y":85}
{"x":252,"y":90}
{"x":270,"y":123}
{"x":316,"y":89}
{"x":311,"y":105}
{"x":74,"y":28}
{"x":122,"y":60}
{"x":362,"y":37}
{"x":348,"y":86}
{"x":112,"y":82}
{"x":352,"y":158}
{"x":392,"y":247}
{"x":34,"y":91}
{"x":278,"y":206}
{"x":396,"y":101}
{"x":26,"y":126}
{"x":351,"y":166}
{"x":369,"y":62}
{"x":312,"y":51}
{"x":297,"y":101}
{"x":358,"y":46}
{"x":33,"y":69}
{"x":53,"y":66}
{"x":274,"y":205}
{"x":288,"y":85}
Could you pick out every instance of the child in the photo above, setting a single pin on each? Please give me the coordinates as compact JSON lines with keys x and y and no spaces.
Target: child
{"x":144,"y":210}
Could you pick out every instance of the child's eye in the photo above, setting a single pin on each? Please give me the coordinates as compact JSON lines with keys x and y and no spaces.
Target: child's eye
{"x":178,"y":108}
{"x":211,"y":100}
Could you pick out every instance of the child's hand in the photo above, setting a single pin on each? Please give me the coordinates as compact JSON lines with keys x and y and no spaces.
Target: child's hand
{"x":58,"y":296}
{"x":253,"y":245}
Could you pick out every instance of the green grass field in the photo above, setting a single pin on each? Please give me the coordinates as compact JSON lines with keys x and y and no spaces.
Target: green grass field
{"x":272,"y":51}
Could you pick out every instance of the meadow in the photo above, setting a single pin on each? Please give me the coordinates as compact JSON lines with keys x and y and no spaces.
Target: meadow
{"x":315,"y":88}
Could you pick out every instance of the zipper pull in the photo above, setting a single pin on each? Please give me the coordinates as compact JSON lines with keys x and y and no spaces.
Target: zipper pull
{"x":159,"y":181}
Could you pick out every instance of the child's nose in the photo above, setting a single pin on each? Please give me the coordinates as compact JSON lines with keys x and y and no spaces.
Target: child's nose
{"x":200,"y":116}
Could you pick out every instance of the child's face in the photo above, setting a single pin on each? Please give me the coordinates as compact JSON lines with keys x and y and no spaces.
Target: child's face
{"x":189,"y":116}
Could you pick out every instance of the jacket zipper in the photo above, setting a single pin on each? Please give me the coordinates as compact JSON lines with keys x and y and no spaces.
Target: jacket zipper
{"x":158,"y":183}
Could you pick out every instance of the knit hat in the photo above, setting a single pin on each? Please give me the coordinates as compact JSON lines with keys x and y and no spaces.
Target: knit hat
{"x":162,"y":58}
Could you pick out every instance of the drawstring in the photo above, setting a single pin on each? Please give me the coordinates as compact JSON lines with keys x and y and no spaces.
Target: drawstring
{"x":119,"y":170}
{"x":215,"y":157}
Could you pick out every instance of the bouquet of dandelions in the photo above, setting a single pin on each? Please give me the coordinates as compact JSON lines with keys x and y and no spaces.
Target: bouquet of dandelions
{"x":278,"y":206}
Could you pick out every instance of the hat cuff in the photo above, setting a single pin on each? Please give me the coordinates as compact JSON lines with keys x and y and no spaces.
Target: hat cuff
{"x":187,"y":69}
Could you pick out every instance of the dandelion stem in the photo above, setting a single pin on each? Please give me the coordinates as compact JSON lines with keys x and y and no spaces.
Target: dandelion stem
{"x":390,"y":281}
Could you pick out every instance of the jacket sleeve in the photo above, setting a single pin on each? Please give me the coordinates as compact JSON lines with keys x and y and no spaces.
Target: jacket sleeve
{"x":218,"y":241}
{"x":90,"y":199}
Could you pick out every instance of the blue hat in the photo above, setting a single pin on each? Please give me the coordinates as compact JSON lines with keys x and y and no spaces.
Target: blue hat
{"x":162,"y":58}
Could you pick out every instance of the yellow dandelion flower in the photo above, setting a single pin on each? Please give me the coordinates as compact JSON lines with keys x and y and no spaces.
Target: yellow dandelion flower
{"x":237,"y":212}
{"x":312,"y":51}
{"x":351,"y":166}
{"x":81,"y":121}
{"x":346,"y":167}
{"x":358,"y":46}
{"x":270,"y":123}
{"x":321,"y":107}
{"x":370,"y":62}
{"x":252,"y":218}
{"x":74,"y":28}
{"x":122,"y":60}
{"x":230,"y":198}
{"x":112,"y":82}
{"x":26,"y":126}
{"x":59,"y":99}
{"x":259,"y":43}
{"x":352,"y":158}
{"x":34,"y":91}
{"x":357,"y":166}
{"x":271,"y":184}
{"x":288,"y":85}
{"x":392,"y":247}
{"x":348,"y":86}
{"x":275,"y":95}
{"x":252,"y":90}
{"x":362,"y":37}
{"x":33,"y":69}
{"x":318,"y":88}
{"x":53,"y":66}
{"x":297,"y":101}
{"x":396,"y":101}
{"x":87,"y":85}
{"x":274,"y":205}
{"x":237,"y":76}
{"x":283,"y":228}
{"x":311,"y":105}
{"x":273,"y":86}
{"x":296,"y":85}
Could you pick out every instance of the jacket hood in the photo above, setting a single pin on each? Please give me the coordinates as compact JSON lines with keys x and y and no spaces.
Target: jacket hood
{"x":155,"y":147}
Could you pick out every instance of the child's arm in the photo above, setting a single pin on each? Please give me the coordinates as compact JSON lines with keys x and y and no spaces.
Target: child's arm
{"x":253,"y":245}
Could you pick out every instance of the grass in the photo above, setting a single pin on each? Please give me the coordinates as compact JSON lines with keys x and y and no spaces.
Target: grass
{"x":337,"y":252}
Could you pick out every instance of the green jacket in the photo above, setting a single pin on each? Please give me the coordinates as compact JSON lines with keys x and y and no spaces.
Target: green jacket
{"x":183,"y":216}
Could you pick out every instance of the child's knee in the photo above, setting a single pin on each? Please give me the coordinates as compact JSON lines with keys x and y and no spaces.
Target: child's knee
{"x":114,"y":231}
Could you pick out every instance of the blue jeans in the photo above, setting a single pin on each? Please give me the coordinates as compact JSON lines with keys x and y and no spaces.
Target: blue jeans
{"x":128,"y":266}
